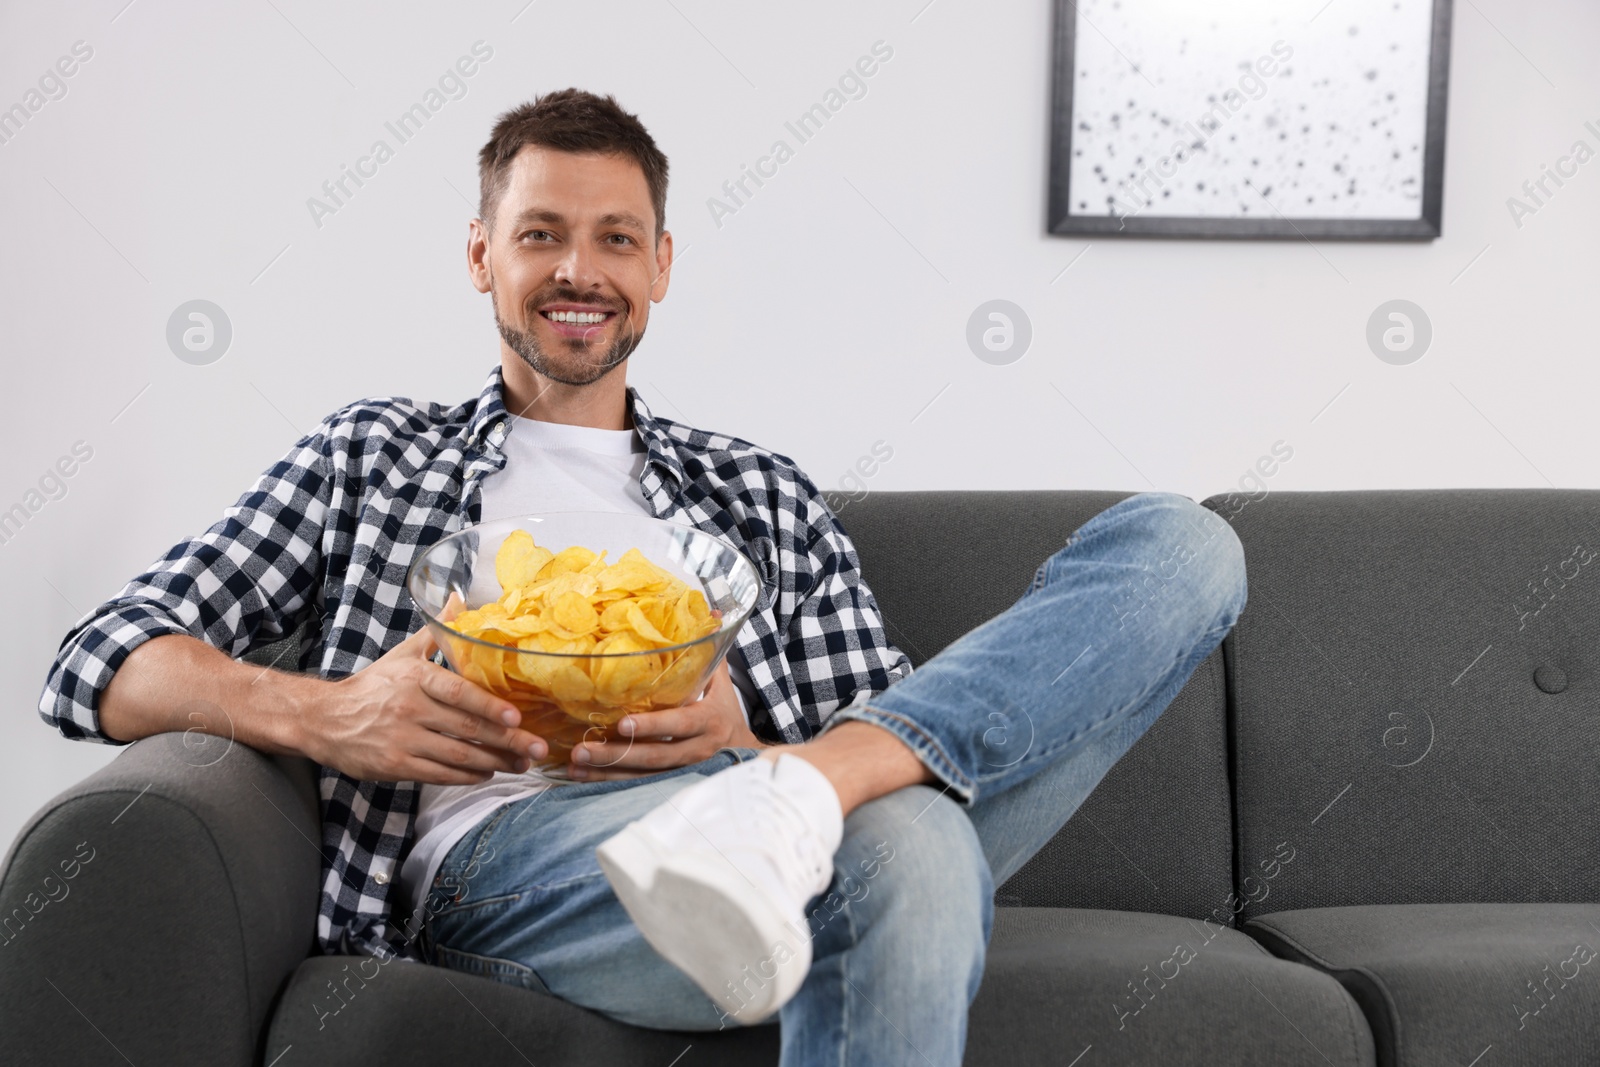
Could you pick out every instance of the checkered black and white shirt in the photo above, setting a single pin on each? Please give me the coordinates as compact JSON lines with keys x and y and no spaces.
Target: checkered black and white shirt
{"x":326,"y":535}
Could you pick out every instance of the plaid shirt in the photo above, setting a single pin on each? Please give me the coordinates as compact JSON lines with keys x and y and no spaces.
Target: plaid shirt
{"x":326,"y":535}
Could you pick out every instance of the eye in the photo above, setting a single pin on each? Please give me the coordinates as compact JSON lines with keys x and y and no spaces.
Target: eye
{"x":537,"y":233}
{"x":620,"y":237}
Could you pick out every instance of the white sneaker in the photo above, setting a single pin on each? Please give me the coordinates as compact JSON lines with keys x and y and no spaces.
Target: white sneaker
{"x":718,"y":876}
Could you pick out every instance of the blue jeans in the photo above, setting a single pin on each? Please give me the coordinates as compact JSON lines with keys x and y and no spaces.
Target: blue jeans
{"x":1019,"y":719}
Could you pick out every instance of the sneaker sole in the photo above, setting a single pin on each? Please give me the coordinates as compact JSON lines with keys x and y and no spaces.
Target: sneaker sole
{"x":714,"y":938}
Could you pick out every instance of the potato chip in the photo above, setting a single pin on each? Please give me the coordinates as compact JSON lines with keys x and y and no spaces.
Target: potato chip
{"x":485,"y":666}
{"x":630,"y":577}
{"x":643,"y":626}
{"x":676,"y":685}
{"x":535,"y":670}
{"x":686,"y":618}
{"x":551,"y":641}
{"x":519,"y":560}
{"x":521,"y":625}
{"x":569,"y":684}
{"x":570,"y":560}
{"x":573,"y":611}
{"x":615,"y":615}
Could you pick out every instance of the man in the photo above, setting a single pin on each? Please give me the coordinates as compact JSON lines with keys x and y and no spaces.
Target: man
{"x":818,"y":836}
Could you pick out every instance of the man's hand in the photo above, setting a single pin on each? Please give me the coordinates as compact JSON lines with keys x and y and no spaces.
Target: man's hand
{"x":676,"y":737}
{"x":405,"y":718}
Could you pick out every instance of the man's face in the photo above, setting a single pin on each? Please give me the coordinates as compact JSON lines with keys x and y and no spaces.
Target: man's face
{"x":573,"y":264}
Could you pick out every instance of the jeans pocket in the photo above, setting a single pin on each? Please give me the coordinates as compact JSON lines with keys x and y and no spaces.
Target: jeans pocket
{"x":453,"y":927}
{"x":501,"y":970}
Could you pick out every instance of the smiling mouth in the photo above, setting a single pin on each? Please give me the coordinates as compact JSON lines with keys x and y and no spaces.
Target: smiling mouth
{"x":578,"y":318}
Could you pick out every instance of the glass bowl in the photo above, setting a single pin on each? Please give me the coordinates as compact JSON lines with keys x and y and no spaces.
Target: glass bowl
{"x":458,"y":573}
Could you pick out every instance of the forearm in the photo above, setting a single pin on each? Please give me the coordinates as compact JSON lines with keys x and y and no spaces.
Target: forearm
{"x":176,"y":683}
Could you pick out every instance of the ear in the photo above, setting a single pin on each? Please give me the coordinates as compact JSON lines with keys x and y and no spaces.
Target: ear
{"x":478,"y":255}
{"x":658,"y":287}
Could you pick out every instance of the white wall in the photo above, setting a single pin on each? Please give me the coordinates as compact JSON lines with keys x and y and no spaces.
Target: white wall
{"x":179,"y":163}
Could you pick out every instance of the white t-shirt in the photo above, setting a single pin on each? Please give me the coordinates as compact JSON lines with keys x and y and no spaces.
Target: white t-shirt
{"x":549,"y":467}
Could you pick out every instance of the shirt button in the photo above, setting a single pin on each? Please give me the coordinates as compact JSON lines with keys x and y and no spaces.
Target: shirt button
{"x":381,"y":877}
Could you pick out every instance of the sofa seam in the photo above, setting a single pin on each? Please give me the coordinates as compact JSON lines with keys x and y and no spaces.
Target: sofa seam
{"x":1230,"y":725}
{"x":844,"y":976}
{"x":1328,"y":967}
{"x":1349,"y":1017}
{"x":1230,"y":772}
{"x":1230,"y":734}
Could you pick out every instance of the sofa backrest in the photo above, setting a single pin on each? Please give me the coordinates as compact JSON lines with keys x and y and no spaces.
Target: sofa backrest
{"x":1156,"y":835}
{"x":1415,"y":698}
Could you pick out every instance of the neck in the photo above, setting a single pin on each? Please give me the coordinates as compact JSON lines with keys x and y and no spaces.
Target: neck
{"x":601,"y":404}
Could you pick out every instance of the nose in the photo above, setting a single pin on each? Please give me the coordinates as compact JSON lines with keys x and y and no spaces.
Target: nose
{"x":576,"y":268}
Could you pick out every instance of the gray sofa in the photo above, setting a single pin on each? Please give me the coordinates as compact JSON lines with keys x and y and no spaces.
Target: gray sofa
{"x":1363,"y":833}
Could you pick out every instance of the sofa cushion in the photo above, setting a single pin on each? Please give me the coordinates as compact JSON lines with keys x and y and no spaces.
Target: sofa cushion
{"x":1415,"y":681}
{"x":1057,"y":982}
{"x":1446,"y":983}
{"x":359,"y":1012}
{"x":1156,"y":835}
{"x":1151,"y":989}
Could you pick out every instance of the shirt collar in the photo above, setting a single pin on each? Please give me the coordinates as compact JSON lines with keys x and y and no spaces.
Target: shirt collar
{"x":490,"y":416}
{"x":489,"y":413}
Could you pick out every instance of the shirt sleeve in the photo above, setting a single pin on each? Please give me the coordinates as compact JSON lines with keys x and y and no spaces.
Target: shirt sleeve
{"x":838,"y":653}
{"x":235,"y":586}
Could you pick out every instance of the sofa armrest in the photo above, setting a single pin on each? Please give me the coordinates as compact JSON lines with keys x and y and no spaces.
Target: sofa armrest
{"x":157,"y":906}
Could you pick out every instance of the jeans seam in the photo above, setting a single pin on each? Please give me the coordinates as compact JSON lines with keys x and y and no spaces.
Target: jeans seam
{"x":951,"y":774}
{"x":484,"y":833}
{"x":1053,"y":754}
{"x":509,"y":968}
{"x":547,"y":887}
{"x":453,"y":910}
{"x":845,"y":999}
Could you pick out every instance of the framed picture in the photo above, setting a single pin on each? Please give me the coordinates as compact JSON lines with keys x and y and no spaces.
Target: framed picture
{"x":1252,"y":118}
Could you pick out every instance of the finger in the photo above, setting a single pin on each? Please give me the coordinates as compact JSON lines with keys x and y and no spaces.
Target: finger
{"x":444,"y":719}
{"x":615,"y":766}
{"x":463,"y":755}
{"x":417,"y":769}
{"x":448,"y":687}
{"x":638,"y":756}
{"x":453,"y":606}
{"x":419,"y":645}
{"x":720,"y":680}
{"x":686,"y":721}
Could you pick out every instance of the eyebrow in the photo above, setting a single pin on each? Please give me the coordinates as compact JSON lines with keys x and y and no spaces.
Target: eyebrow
{"x":623,"y":218}
{"x":610,"y":218}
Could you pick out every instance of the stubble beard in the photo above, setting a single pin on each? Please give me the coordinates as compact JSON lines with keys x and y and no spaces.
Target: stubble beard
{"x":570,"y":367}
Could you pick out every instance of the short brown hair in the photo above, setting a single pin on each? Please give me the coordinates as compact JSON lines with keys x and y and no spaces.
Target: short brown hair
{"x":569,"y":120}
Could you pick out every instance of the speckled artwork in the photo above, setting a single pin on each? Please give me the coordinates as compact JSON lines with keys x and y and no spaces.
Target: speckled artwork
{"x":1247,"y":110}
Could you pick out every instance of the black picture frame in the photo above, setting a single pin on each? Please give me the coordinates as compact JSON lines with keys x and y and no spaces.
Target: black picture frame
{"x":1061,"y":222}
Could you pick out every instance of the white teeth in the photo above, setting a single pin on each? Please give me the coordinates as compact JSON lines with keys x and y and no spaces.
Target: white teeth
{"x":576,"y":317}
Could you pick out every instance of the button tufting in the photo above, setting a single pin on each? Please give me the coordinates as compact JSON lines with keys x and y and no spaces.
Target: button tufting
{"x":1550,"y":679}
